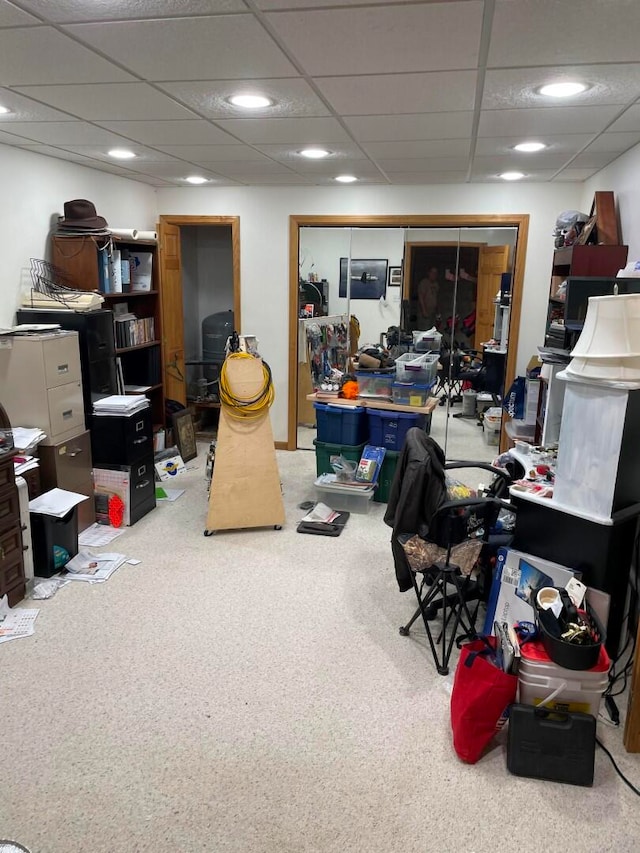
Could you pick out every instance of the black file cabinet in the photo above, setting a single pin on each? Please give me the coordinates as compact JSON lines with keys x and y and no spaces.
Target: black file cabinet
{"x":97,"y":349}
{"x":122,"y":448}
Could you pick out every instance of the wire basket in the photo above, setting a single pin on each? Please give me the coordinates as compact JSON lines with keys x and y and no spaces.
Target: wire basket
{"x":51,"y":281}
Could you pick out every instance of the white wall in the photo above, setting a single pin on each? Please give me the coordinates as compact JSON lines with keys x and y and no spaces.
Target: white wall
{"x":264,"y":239}
{"x":623,"y":177}
{"x":34,"y":189}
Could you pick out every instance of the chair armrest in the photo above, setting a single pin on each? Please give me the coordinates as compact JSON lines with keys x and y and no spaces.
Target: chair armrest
{"x":471,"y":502}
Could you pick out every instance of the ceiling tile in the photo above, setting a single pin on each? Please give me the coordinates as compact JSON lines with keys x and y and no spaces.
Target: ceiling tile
{"x":61,"y":154}
{"x":44,"y":55}
{"x":454,"y":125}
{"x":170,"y":170}
{"x":532,"y":176}
{"x":100,"y":153}
{"x":410,"y":38}
{"x":110,"y":101}
{"x":419,"y":178}
{"x":363,"y":180}
{"x":11,"y":139}
{"x":548,"y":32}
{"x":422,"y":148}
{"x":590,"y":159}
{"x":161,"y":133}
{"x":65,"y":11}
{"x":575,"y":175}
{"x":569,"y":143}
{"x":386,"y":94}
{"x":516,"y":87}
{"x":66,"y":133}
{"x":615,"y":142}
{"x":514,"y":162}
{"x":272,"y":180}
{"x":424,"y":164}
{"x":291,"y":96}
{"x":226,"y":47}
{"x":630,"y":120}
{"x":290,"y":154}
{"x":11,"y":16}
{"x":25,"y":109}
{"x":550,"y":120}
{"x":272,"y":5}
{"x":247,"y":168}
{"x":359,"y":168}
{"x":295,"y":131}
{"x":210,"y":154}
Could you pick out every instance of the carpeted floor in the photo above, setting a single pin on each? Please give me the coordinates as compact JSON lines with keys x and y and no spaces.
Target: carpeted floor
{"x":250,"y":692}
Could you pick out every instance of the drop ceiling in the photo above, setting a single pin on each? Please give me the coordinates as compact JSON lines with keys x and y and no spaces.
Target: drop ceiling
{"x":398,"y":92}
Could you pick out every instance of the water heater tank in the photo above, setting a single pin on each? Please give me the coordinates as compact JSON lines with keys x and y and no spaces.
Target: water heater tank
{"x":216,"y":328}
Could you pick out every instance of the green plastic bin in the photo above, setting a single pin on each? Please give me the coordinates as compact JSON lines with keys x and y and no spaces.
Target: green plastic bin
{"x":387,"y":474}
{"x":324,"y":452}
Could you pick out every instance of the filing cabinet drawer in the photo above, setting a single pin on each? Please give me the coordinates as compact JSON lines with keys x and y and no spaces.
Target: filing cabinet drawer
{"x":102,"y":379}
{"x":142,"y":482}
{"x":9,"y":508}
{"x":99,"y":335}
{"x":61,"y":361}
{"x":7,"y":478}
{"x":121,"y":440}
{"x":10,"y":548}
{"x":12,"y":574}
{"x":66,"y":410}
{"x":68,"y":465}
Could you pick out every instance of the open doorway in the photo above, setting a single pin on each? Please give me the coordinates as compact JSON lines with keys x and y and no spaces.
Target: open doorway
{"x":200,"y":294}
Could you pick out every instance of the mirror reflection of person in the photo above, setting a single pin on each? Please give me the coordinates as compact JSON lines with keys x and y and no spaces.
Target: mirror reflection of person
{"x":428,"y":292}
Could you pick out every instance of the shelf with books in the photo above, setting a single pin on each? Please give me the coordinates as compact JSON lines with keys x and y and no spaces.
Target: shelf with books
{"x":138,"y":324}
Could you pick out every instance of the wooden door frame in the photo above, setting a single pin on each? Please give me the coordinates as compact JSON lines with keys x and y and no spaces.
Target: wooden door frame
{"x":229,"y":221}
{"x":520,"y":221}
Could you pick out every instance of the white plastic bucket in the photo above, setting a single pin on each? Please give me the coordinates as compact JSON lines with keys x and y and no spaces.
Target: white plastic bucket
{"x":570,"y":696}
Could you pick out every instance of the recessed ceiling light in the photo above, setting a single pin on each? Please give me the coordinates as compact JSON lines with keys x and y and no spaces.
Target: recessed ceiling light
{"x":529,"y":147}
{"x":4,"y":110}
{"x":121,"y":154}
{"x":250,"y":102}
{"x":314,"y":153}
{"x":563,"y":90}
{"x":511,"y":176}
{"x":196,"y":179}
{"x":346,"y":179}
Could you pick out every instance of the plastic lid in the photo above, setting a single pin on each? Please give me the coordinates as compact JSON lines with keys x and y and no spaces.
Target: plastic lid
{"x":534,"y":651}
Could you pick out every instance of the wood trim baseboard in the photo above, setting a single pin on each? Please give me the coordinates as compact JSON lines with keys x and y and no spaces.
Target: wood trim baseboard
{"x":282,"y":445}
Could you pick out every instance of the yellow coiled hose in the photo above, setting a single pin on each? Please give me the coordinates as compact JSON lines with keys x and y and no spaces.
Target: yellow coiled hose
{"x":245,"y":408}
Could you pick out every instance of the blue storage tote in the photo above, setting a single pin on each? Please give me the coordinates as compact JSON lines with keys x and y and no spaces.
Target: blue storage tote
{"x":388,"y":429}
{"x":341,"y":424}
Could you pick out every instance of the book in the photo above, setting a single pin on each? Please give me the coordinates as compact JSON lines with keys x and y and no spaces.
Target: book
{"x":115,"y":268}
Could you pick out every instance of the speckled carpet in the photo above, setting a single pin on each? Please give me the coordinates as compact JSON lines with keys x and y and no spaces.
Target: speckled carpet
{"x":250,"y":693}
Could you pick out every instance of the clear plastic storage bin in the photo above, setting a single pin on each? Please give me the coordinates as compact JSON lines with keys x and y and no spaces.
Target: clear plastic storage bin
{"x":430,"y":341}
{"x":375,"y":383}
{"x":407,"y":394}
{"x":344,"y":498}
{"x":419,"y":369}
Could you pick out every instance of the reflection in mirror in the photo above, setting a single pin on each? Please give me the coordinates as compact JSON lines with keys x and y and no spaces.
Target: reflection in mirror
{"x":452,"y":285}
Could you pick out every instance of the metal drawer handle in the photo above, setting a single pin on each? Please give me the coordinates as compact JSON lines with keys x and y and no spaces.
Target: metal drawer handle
{"x":141,"y":440}
{"x":143,"y":484}
{"x":68,"y":413}
{"x":75,"y":453}
{"x":63,"y":368}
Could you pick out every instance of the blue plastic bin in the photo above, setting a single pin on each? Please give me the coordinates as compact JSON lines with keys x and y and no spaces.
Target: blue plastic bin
{"x":388,"y":429}
{"x":341,"y":424}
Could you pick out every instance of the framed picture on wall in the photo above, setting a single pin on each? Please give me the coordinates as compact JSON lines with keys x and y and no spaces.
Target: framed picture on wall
{"x":395,"y":276}
{"x":184,"y":434}
{"x":368,"y":279}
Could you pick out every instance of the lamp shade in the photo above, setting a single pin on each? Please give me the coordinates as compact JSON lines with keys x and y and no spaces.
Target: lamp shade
{"x":611,"y":328}
{"x":618,"y":371}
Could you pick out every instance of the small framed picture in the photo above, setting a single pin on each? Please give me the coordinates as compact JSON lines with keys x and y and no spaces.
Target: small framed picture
{"x":395,"y":276}
{"x":184,"y":434}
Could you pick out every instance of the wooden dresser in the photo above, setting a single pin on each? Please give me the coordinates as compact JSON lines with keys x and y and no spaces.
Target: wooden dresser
{"x":12,"y":582}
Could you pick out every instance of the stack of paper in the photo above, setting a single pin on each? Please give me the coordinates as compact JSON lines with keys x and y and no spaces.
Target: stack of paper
{"x":22,"y":464}
{"x":56,"y":502}
{"x":93,"y":568}
{"x":15,"y":624}
{"x":120,"y":404}
{"x":25,"y":439}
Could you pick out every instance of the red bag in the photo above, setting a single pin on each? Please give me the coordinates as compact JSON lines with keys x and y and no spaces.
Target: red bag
{"x":481,"y":694}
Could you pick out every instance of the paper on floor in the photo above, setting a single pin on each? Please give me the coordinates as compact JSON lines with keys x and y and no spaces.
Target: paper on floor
{"x":99,"y":534}
{"x":93,"y":568}
{"x":16,"y":623}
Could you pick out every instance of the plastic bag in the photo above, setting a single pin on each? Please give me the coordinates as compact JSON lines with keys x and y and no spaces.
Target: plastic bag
{"x":481,"y":695}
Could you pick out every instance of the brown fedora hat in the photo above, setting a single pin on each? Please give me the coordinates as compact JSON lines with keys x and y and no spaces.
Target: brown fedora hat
{"x":80,"y":213}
